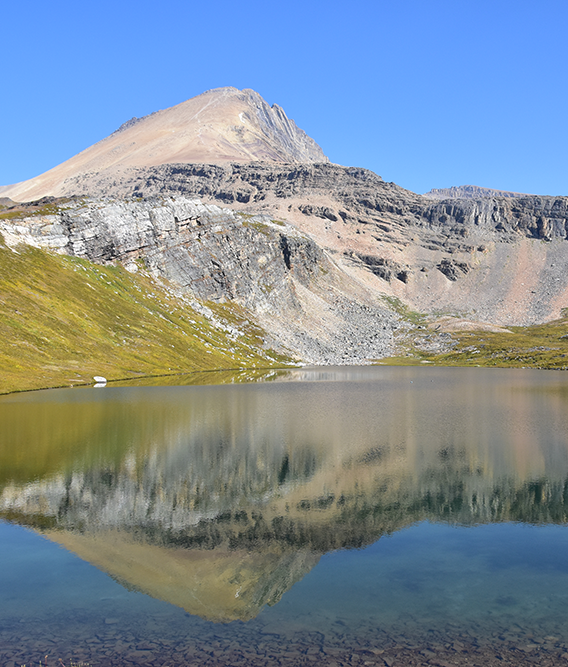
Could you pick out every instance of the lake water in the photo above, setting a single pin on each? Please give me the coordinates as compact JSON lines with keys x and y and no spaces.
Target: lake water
{"x":351,"y":516}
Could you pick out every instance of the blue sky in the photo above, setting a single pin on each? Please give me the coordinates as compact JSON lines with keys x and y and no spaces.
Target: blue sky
{"x":426,"y":93}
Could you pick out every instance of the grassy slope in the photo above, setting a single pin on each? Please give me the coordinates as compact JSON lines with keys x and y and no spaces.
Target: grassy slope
{"x":64,"y":319}
{"x":538,"y":346}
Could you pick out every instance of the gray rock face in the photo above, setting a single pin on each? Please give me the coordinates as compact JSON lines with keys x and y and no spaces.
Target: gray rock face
{"x":214,"y":253}
{"x":354,"y":196}
{"x":289,"y":141}
{"x":484,"y":259}
{"x":285,"y":279}
{"x":248,"y":183}
{"x":536,"y":217}
{"x":469,"y":192}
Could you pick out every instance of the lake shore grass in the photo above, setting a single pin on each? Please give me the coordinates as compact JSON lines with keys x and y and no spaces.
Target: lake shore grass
{"x":541,"y":346}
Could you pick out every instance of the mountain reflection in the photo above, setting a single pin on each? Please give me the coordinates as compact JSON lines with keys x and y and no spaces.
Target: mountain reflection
{"x":218,"y":499}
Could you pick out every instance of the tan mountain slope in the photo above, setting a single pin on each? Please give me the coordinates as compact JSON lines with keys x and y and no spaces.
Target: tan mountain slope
{"x":221,"y":125}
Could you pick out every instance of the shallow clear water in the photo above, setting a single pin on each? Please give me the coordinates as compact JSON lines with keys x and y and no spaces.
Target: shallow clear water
{"x":358,"y":515}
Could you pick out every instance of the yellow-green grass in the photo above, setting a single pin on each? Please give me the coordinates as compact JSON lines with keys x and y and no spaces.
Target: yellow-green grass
{"x":64,"y":320}
{"x":538,"y":346}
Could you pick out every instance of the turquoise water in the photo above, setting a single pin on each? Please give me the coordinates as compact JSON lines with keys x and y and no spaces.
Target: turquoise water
{"x":470,"y":583}
{"x":406,"y":515}
{"x":430,"y":575}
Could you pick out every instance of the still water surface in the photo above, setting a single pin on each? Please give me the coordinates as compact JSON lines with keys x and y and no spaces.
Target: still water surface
{"x":350,"y":516}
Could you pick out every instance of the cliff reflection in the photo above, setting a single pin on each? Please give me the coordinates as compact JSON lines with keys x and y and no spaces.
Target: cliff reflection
{"x":217,"y":499}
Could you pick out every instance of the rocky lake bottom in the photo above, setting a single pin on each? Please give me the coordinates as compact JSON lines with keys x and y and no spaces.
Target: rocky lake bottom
{"x":382,"y":613}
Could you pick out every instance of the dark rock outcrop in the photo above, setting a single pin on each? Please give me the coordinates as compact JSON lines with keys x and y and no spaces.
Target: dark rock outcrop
{"x":453,"y":269}
{"x":387,"y":269}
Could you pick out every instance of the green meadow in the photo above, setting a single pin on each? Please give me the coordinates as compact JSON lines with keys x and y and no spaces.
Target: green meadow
{"x":64,"y":320}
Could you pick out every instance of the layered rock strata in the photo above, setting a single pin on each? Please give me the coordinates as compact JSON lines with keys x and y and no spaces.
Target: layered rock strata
{"x":469,"y":192}
{"x":499,"y":260}
{"x":293,"y":288}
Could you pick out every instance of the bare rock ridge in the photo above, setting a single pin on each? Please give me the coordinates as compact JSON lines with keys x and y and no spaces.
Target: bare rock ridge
{"x":220,"y":125}
{"x":354,"y":194}
{"x":469,"y":192}
{"x":432,"y":255}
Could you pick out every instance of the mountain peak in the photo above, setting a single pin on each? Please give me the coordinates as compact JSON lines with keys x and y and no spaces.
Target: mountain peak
{"x":220,"y":125}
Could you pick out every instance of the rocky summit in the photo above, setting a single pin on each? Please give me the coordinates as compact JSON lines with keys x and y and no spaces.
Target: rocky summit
{"x":226,"y":200}
{"x":221,"y":125}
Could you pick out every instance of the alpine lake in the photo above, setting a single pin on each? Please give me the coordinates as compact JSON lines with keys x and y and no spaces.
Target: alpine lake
{"x":326,"y":516}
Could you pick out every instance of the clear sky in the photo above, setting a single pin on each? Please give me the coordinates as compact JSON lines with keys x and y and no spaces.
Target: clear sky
{"x":426,"y":93}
